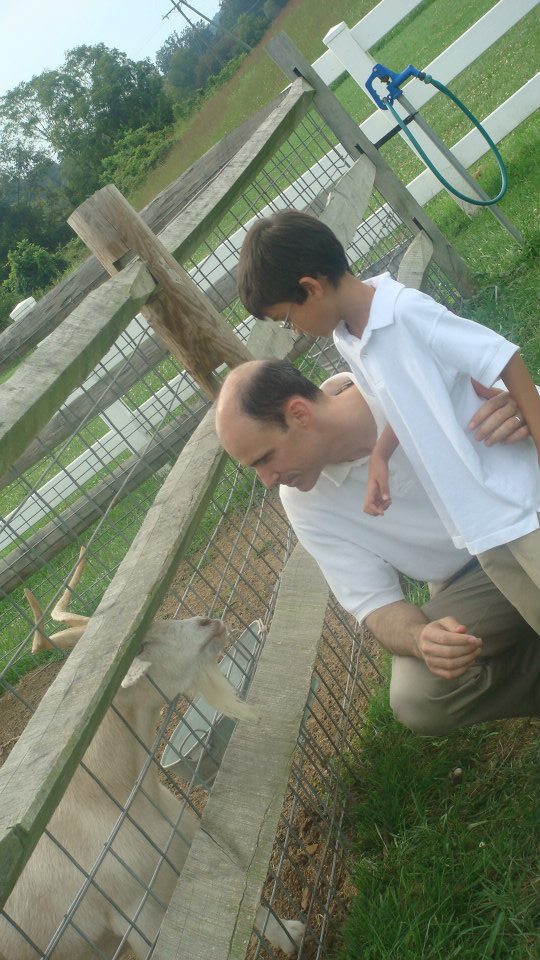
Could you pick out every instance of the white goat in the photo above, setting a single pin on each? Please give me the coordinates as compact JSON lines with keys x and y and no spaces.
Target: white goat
{"x":180,"y":657}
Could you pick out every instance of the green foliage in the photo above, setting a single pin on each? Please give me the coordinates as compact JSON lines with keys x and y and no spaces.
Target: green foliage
{"x":181,"y":72}
{"x":188,"y":106}
{"x":189,"y":60}
{"x":23,"y":220}
{"x":230,"y":11}
{"x":271,"y":8}
{"x":31,"y":268}
{"x":165,"y":52}
{"x":134,"y":155}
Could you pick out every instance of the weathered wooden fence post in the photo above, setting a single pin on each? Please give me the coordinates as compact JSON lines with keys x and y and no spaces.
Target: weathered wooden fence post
{"x":183,"y":318}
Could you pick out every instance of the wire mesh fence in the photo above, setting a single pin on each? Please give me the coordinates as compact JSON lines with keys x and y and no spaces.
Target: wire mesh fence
{"x":88,"y":480}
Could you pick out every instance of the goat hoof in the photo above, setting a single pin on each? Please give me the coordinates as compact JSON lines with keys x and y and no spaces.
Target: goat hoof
{"x":295,"y":930}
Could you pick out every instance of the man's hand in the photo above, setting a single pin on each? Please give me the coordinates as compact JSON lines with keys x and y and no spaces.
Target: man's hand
{"x":446,"y":648}
{"x":498,"y":420}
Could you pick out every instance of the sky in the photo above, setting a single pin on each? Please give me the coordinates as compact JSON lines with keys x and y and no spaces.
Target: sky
{"x":34,"y":34}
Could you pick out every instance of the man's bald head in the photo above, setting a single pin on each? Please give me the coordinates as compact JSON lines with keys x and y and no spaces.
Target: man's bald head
{"x":272,"y":418}
{"x":267,"y":418}
{"x":260,"y":389}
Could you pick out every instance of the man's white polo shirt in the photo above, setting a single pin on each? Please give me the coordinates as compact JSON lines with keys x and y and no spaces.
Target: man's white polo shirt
{"x":359,"y":555}
{"x":417,"y":358}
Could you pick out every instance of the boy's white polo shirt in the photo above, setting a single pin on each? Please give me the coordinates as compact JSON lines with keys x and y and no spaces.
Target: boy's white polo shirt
{"x":417,"y":358}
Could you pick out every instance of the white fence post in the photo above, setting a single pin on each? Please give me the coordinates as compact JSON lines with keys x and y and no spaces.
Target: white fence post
{"x":367,"y":31}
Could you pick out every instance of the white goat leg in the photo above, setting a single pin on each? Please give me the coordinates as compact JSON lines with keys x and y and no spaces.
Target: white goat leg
{"x":62,"y":640}
{"x":182,"y":658}
{"x":59,"y":612}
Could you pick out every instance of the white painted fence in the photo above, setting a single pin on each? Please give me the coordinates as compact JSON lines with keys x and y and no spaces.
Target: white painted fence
{"x":349,"y":49}
{"x":348,"y":52}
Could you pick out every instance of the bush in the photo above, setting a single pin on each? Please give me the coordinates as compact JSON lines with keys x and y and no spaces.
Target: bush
{"x":31,"y":268}
{"x":134,"y":155}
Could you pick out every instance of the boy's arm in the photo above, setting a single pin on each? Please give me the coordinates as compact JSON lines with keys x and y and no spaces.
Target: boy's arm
{"x":518,"y":381}
{"x":386,"y":444}
{"x":377,"y":498}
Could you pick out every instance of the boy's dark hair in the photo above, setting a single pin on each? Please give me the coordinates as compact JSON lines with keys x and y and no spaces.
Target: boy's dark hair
{"x":278,"y":251}
{"x":275,"y":381}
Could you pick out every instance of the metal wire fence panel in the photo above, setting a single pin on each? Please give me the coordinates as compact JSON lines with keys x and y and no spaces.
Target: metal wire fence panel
{"x":88,"y":479}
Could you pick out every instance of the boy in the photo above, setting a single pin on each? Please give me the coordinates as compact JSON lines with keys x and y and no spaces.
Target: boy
{"x":418,"y":359}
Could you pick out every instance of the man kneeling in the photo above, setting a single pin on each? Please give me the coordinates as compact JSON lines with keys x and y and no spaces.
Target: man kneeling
{"x":466,"y":656}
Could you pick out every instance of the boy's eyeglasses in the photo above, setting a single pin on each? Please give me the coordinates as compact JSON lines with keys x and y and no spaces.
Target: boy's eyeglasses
{"x":286,"y":323}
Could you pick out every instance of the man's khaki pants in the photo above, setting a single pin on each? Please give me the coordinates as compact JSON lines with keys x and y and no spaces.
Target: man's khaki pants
{"x":515,"y":569}
{"x":505,"y":681}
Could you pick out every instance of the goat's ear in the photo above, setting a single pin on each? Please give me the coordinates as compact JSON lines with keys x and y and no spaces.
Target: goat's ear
{"x":137,"y":670}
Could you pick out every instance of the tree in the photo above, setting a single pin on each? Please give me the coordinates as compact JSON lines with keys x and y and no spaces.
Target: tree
{"x":165,"y":52}
{"x":75,"y":114}
{"x":182,"y":70}
{"x":231,"y":10}
{"x":271,"y":8}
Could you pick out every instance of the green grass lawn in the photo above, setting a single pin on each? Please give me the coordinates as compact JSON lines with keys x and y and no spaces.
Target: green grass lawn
{"x":445,"y":866}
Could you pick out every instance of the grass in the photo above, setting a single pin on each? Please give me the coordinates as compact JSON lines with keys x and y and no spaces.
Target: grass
{"x":445,"y":867}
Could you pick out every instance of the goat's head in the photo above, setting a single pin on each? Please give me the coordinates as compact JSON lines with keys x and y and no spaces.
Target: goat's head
{"x":181,"y":658}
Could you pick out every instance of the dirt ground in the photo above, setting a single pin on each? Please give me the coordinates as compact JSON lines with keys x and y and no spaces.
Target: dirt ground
{"x":252,"y":590}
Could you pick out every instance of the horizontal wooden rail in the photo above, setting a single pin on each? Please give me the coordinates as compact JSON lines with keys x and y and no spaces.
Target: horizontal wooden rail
{"x":60,"y":532}
{"x":229,"y":166}
{"x":185,"y":233}
{"x":59,"y":302}
{"x":64,"y":359}
{"x":112,"y":385}
{"x":40,"y":766}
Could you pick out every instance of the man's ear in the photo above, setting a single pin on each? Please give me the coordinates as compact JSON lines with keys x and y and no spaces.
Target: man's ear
{"x":312,"y":286}
{"x":297,"y":411}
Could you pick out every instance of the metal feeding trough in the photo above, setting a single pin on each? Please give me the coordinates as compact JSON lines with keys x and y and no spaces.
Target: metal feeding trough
{"x":197,"y":744}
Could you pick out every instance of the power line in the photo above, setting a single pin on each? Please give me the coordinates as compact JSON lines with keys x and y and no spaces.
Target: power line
{"x":217,"y":26}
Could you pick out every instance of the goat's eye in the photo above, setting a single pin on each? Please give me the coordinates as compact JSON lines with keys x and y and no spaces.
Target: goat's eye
{"x":204,"y":623}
